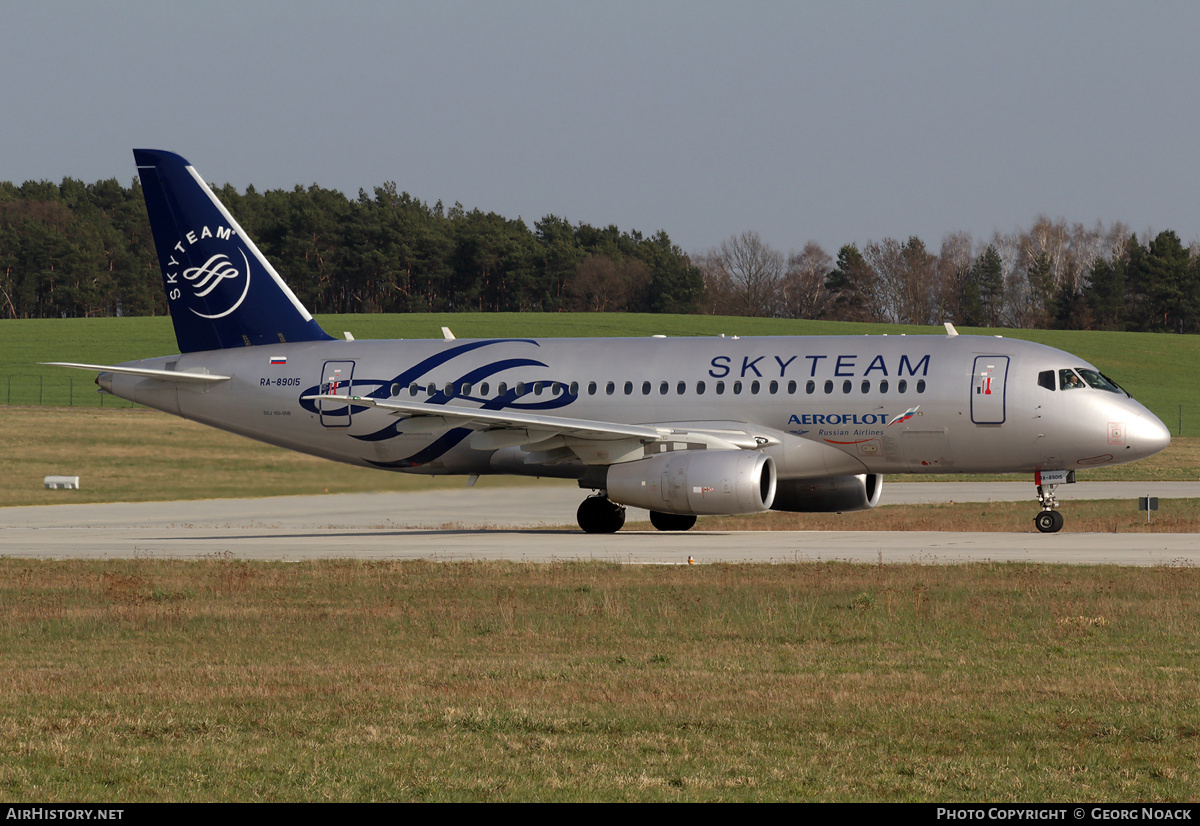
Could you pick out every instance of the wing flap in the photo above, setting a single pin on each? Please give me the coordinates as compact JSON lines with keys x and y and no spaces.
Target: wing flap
{"x":507,"y":428}
{"x":506,"y":419}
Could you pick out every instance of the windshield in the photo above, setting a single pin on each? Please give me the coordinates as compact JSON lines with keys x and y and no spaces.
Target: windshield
{"x":1098,"y":381}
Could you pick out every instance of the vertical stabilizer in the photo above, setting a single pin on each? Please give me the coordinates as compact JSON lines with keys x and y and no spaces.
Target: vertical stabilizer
{"x":221,"y":290}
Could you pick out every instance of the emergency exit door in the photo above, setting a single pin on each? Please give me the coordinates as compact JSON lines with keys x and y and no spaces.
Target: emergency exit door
{"x":988,"y":383}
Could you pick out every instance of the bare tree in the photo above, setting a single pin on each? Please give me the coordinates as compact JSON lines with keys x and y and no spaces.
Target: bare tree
{"x":600,"y":284}
{"x":907,"y":277}
{"x":743,"y":276}
{"x":803,"y":293}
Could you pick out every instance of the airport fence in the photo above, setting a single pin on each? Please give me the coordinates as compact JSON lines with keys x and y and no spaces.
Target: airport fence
{"x":58,"y":391}
{"x":1188,"y":422}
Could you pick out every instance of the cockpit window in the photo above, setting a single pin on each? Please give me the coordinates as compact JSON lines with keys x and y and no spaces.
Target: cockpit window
{"x":1067,"y":380}
{"x":1098,"y":381}
{"x":1046,"y":379}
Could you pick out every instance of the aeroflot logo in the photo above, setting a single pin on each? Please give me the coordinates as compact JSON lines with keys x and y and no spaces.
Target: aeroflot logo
{"x":202,"y":281}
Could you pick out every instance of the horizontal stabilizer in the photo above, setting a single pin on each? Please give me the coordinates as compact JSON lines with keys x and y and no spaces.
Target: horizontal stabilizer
{"x":163,"y":375}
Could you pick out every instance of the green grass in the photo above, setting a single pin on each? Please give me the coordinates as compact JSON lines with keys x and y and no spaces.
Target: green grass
{"x":150,"y":680}
{"x":1154,"y":368}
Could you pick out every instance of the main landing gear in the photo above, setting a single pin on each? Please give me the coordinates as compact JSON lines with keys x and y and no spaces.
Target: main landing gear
{"x":1049,"y":520}
{"x":672,"y":521}
{"x":598,"y":514}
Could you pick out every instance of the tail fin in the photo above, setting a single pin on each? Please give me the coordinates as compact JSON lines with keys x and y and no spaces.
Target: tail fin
{"x":221,"y":290}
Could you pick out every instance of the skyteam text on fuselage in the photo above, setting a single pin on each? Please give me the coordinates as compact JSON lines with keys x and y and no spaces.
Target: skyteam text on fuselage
{"x":681,"y":427}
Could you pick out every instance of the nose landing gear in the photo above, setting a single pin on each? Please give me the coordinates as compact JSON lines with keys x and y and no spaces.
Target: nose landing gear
{"x":1050,"y":520}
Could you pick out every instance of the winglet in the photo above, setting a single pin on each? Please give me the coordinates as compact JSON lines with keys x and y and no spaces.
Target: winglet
{"x":950,"y":331}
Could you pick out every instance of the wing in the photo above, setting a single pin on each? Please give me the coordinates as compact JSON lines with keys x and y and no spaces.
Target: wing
{"x":502,"y":428}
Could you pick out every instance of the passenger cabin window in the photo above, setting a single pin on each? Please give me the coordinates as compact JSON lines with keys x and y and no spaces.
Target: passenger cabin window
{"x":610,"y":388}
{"x":883,"y":385}
{"x":699,"y":388}
{"x":920,"y":385}
{"x":1046,"y":379}
{"x":902,"y":386}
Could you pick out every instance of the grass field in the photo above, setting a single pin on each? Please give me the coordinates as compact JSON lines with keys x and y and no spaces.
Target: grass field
{"x":151,"y":680}
{"x":147,"y":680}
{"x":140,"y":455}
{"x":1156,"y":369}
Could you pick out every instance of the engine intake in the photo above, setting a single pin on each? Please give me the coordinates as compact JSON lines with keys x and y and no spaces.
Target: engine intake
{"x":696,"y":482}
{"x":837,"y":494}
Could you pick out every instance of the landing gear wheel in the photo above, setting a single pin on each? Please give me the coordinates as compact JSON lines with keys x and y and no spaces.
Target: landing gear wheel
{"x":672,"y":521}
{"x":597,"y":514}
{"x":1049,"y":521}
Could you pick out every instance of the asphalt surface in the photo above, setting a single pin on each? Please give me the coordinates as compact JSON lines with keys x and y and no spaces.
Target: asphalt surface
{"x":518,"y":523}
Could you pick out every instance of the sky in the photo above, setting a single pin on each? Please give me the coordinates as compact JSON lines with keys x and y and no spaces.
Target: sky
{"x":839,"y":122}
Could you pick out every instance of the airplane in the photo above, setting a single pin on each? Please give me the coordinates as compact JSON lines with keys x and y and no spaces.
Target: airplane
{"x":682,"y":427}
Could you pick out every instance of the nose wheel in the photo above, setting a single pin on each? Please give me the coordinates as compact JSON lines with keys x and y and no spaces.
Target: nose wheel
{"x":1049,"y":520}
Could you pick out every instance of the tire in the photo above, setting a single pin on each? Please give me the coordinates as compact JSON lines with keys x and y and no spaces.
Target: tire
{"x":597,"y":514}
{"x":672,"y":521}
{"x":1049,"y":521}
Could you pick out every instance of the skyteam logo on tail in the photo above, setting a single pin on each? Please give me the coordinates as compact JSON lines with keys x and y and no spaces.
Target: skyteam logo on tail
{"x":226,"y":279}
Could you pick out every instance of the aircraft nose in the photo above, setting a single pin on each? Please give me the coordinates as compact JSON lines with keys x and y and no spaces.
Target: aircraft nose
{"x":1150,"y":435}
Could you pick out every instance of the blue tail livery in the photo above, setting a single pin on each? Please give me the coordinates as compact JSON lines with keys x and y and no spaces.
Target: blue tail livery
{"x":222,"y":291}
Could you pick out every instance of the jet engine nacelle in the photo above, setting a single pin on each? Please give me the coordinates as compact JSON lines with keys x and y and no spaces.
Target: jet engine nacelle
{"x":834,"y":495}
{"x":696,"y":482}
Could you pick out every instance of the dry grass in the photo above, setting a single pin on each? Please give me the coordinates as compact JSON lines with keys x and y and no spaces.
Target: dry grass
{"x":225,"y":680}
{"x":1100,"y":516}
{"x":141,"y":455}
